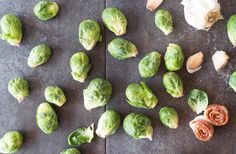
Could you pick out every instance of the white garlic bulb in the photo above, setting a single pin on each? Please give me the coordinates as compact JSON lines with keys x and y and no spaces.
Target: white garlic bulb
{"x":194,"y":62}
{"x":220,"y":59}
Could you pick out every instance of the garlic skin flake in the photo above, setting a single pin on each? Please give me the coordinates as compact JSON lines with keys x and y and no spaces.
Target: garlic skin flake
{"x":202,"y":14}
{"x":153,"y":4}
{"x":194,"y":62}
{"x":220,"y":59}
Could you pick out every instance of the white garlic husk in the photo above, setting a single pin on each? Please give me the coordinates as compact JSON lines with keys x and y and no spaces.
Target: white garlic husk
{"x":194,"y":62}
{"x":153,"y":4}
{"x":220,"y":59}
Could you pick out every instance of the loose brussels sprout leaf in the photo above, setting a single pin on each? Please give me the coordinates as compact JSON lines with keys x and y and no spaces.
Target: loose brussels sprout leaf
{"x":55,"y":95}
{"x":81,"y":136}
{"x":70,"y":151}
{"x":11,"y":142}
{"x":174,"y":57}
{"x":169,"y":117}
{"x":122,"y":49}
{"x":138,"y":126}
{"x":18,"y":88}
{"x":11,"y":28}
{"x":163,"y":20}
{"x":114,"y":20}
{"x":197,"y":100}
{"x":108,"y":123}
{"x":231,"y":29}
{"x":173,"y":84}
{"x":45,"y":10}
{"x":97,"y":93}
{"x":232,"y":81}
{"x":140,"y":96}
{"x":46,"y":118}
{"x":149,"y":64}
{"x":39,"y":55}
{"x":80,"y":66}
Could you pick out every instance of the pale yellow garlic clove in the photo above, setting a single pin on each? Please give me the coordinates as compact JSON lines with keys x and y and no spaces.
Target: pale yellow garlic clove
{"x":194,"y":62}
{"x":153,"y":4}
{"x":220,"y":59}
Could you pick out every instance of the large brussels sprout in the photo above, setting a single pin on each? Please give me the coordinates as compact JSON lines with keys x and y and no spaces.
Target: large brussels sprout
{"x":169,"y":117}
{"x":232,"y":81}
{"x":163,"y":20}
{"x":149,"y":64}
{"x":11,"y":29}
{"x":18,"y":88}
{"x":97,"y":93}
{"x":138,"y":126}
{"x":45,"y":10}
{"x":55,"y":95}
{"x":173,"y":84}
{"x":89,"y":34}
{"x":108,"y":123}
{"x":231,"y":29}
{"x":70,"y":151}
{"x":114,"y":20}
{"x":122,"y":49}
{"x":11,"y":142}
{"x":141,"y":96}
{"x":46,"y":118}
{"x":174,"y":57}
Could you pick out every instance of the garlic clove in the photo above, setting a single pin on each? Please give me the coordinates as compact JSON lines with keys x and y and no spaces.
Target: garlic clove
{"x":153,"y":4}
{"x":194,"y":62}
{"x":220,"y":59}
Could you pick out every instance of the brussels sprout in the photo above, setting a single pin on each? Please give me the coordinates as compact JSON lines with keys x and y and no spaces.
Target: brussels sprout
{"x":140,"y":96}
{"x":70,"y":151}
{"x":173,"y":84}
{"x":114,"y":20}
{"x":108,"y":123}
{"x":122,"y":49}
{"x":11,"y":142}
{"x":55,"y":95}
{"x":231,"y":29}
{"x":138,"y":126}
{"x":163,"y":20}
{"x":197,"y":100}
{"x":81,"y":136}
{"x":232,"y":81}
{"x":46,"y":118}
{"x":45,"y":10}
{"x":169,"y":117}
{"x":149,"y":64}
{"x":174,"y":57}
{"x":18,"y":88}
{"x":39,"y":55}
{"x":11,"y":27}
{"x":80,"y":66}
{"x":97,"y":93}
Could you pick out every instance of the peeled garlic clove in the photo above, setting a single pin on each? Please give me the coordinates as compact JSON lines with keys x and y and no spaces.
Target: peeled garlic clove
{"x":194,"y":62}
{"x":153,"y":4}
{"x":220,"y":59}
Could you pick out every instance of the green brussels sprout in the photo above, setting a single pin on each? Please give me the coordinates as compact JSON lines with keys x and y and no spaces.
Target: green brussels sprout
{"x":114,"y":20}
{"x":232,"y":81}
{"x":169,"y":117}
{"x":163,"y":20}
{"x":80,"y":66}
{"x":122,"y":49}
{"x":11,"y":142}
{"x":81,"y":136}
{"x":55,"y":95}
{"x":39,"y":55}
{"x":197,"y":100}
{"x":11,"y":27}
{"x":140,"y":96}
{"x":89,"y":34}
{"x":70,"y":151}
{"x":173,"y":84}
{"x":18,"y":88}
{"x":46,"y":118}
{"x":108,"y":123}
{"x":45,"y":10}
{"x":174,"y":57}
{"x":149,"y":64}
{"x":97,"y":93}
{"x":231,"y":29}
{"x":138,"y":126}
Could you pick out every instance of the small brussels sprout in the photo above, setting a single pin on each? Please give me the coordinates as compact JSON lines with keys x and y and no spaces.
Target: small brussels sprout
{"x":39,"y":55}
{"x":138,"y":126}
{"x":81,"y":136}
{"x":122,"y":49}
{"x":140,"y":96}
{"x":173,"y":84}
{"x":55,"y":95}
{"x":163,"y":20}
{"x":97,"y":93}
{"x":114,"y":20}
{"x":197,"y":100}
{"x":169,"y":117}
{"x":232,"y":81}
{"x":45,"y":10}
{"x":149,"y":64}
{"x":108,"y":123}
{"x":231,"y":29}
{"x":11,"y":142}
{"x":70,"y":151}
{"x":11,"y":28}
{"x":18,"y":88}
{"x":174,"y":57}
{"x":46,"y":118}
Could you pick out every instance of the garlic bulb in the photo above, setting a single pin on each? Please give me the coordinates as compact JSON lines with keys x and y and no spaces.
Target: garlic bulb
{"x":220,"y":59}
{"x":153,"y":4}
{"x":202,"y":14}
{"x":194,"y":62}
